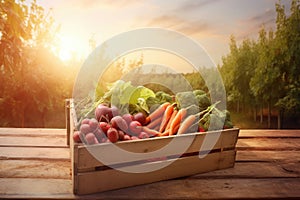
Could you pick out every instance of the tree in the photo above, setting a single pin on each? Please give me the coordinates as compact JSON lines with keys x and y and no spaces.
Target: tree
{"x":29,"y":86}
{"x":287,"y":58}
{"x":228,"y":72}
{"x":237,"y":70}
{"x":270,"y":65}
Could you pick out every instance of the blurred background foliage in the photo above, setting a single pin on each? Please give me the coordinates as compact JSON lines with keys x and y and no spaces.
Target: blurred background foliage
{"x":261,"y":77}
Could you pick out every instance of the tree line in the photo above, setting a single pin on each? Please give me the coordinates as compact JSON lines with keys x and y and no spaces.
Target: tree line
{"x":33,"y":80}
{"x":265,"y":73}
{"x":258,"y":74}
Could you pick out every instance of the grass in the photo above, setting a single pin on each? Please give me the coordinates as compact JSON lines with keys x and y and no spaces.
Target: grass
{"x":246,"y":121}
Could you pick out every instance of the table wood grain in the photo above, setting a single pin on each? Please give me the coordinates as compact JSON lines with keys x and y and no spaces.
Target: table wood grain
{"x":35,"y":163}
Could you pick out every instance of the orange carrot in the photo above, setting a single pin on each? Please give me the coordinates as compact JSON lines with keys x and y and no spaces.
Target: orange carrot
{"x":177,"y":120}
{"x":158,"y":112}
{"x":166,"y":117}
{"x":175,"y":129}
{"x":165,"y":133}
{"x":171,"y":119}
{"x":157,"y":127}
{"x":186,"y":124}
{"x":156,"y":122}
{"x":151,"y":132}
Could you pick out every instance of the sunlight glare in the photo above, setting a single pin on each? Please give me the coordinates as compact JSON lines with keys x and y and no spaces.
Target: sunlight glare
{"x":65,"y":54}
{"x":70,"y":47}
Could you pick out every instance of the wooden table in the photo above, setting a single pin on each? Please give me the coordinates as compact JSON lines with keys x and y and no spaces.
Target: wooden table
{"x":35,"y":163}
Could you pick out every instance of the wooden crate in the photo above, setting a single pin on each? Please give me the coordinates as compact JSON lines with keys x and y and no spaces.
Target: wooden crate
{"x":90,"y":175}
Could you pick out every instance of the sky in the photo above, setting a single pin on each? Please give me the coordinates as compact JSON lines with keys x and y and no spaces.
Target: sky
{"x":209,"y":22}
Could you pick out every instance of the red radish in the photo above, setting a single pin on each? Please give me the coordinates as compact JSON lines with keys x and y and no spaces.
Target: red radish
{"x":76,"y":136}
{"x":128,"y":118}
{"x":127,"y":137}
{"x":140,"y":117}
{"x":143,"y":135}
{"x":93,"y":124}
{"x":104,"y":140}
{"x":102,"y":113}
{"x":99,"y":134}
{"x":113,"y":135}
{"x":90,"y":138}
{"x":85,"y":129}
{"x":134,"y":138}
{"x":114,"y":111}
{"x":119,"y":123}
{"x":135,"y":128}
{"x":104,"y":126}
{"x":85,"y":121}
{"x":121,"y":135}
{"x":201,"y":129}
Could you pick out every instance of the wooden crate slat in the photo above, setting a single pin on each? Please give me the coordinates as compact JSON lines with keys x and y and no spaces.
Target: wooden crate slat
{"x":91,"y":182}
{"x":87,"y":160}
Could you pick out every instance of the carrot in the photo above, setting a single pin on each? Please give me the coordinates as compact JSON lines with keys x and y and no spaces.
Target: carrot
{"x":150,"y":132}
{"x":156,"y":127}
{"x":165,"y":133}
{"x":155,"y":123}
{"x":166,"y":117}
{"x":171,"y":119}
{"x":175,"y":129}
{"x":186,"y":124}
{"x":177,"y":120}
{"x":158,"y":112}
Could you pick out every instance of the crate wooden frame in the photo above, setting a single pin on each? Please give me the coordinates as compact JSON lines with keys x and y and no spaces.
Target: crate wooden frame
{"x":91,"y":176}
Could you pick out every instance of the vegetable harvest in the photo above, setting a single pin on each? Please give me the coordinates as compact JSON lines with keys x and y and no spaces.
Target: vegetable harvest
{"x":126,"y":112}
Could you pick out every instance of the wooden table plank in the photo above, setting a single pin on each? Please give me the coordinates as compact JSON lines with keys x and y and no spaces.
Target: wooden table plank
{"x":267,"y":156}
{"x":266,"y":167}
{"x":282,"y":144}
{"x":269,"y":133}
{"x":34,"y":188}
{"x":172,"y":189}
{"x":211,"y":189}
{"x":37,"y":132}
{"x":23,"y":141}
{"x":254,"y":170}
{"x":34,"y":153}
{"x":58,"y":169}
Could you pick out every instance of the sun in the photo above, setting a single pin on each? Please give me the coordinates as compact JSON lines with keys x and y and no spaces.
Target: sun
{"x":65,"y":54}
{"x":71,"y":47}
{"x":66,"y":48}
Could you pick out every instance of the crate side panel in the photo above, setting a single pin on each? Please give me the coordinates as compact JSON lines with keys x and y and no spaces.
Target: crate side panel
{"x":86,"y":160}
{"x":73,"y":146}
{"x":98,"y":181}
